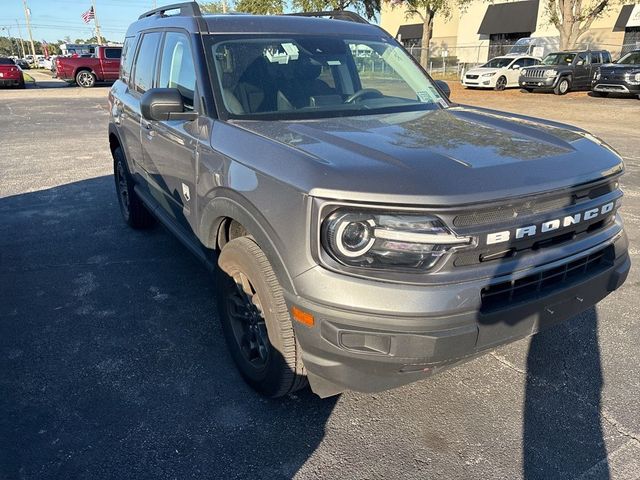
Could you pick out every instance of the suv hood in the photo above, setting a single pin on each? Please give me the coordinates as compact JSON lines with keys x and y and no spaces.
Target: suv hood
{"x":455,"y":155}
{"x":613,"y":67}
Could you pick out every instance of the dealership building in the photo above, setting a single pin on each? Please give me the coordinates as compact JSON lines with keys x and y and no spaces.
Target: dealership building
{"x":483,"y":30}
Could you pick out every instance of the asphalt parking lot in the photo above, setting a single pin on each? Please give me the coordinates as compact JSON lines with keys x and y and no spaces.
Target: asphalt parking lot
{"x":113,"y":365}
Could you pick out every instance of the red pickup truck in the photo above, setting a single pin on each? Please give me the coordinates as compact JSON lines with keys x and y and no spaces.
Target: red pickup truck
{"x":103,"y":66}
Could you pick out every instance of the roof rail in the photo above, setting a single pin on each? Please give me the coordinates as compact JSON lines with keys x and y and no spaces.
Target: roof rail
{"x":334,"y":15}
{"x":187,"y":9}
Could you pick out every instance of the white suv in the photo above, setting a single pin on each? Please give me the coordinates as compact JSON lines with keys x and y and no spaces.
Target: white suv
{"x":498,"y":73}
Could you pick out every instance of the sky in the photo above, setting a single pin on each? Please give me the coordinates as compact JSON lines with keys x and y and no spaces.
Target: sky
{"x":52,"y":20}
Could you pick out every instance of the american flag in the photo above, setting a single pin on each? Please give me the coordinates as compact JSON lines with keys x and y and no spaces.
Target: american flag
{"x":88,"y":15}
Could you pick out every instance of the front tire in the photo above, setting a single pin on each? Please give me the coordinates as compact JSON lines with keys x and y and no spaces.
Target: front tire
{"x":133,"y":210}
{"x":85,"y":79}
{"x":563,"y":86}
{"x":255,"y":320}
{"x":501,"y":84}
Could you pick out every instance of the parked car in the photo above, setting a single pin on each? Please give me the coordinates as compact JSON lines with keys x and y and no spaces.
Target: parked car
{"x":365,"y":234}
{"x":10,"y":73}
{"x":561,"y":72}
{"x":620,"y":77}
{"x":23,"y":64}
{"x":45,"y":63}
{"x":498,"y":73}
{"x":86,"y":71}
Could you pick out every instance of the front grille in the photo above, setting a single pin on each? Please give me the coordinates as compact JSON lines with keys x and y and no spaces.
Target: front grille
{"x":472,"y":77}
{"x":507,"y":293}
{"x":535,"y":73}
{"x":612,"y":74}
{"x":531,"y":207}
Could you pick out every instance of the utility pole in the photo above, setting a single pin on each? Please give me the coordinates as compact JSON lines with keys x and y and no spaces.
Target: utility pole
{"x":21,"y":39}
{"x":95,"y":20}
{"x":27,"y":15}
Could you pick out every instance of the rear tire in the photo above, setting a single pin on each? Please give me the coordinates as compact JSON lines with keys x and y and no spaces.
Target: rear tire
{"x":85,"y":79}
{"x":134,"y":212}
{"x":563,"y":86}
{"x":255,"y":320}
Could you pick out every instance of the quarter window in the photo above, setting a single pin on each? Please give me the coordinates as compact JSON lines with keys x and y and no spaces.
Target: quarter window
{"x":128,"y":51}
{"x":177,"y":69}
{"x":144,"y":70}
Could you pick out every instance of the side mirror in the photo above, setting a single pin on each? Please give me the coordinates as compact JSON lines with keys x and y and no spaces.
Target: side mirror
{"x":164,"y":104}
{"x":516,"y":67}
{"x":444,"y":87}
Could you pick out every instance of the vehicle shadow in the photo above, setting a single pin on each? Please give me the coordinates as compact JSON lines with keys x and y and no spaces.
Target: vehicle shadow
{"x":562,"y":431}
{"x":112,"y":359}
{"x":562,"y":421}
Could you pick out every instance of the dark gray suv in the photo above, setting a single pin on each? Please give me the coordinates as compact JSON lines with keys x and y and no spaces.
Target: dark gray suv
{"x":365,"y":231}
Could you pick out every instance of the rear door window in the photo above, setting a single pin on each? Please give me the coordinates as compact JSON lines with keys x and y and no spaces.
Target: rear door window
{"x":112,"y":53}
{"x":177,"y":69}
{"x":145,"y":64}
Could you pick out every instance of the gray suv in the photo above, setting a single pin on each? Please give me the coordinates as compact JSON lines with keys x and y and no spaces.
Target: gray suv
{"x":365,"y":232}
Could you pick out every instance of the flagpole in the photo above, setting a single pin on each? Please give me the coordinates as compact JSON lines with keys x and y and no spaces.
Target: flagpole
{"x":27,"y":15}
{"x":95,"y":20}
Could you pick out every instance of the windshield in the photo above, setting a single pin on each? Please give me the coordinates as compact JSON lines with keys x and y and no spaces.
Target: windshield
{"x":308,"y":77}
{"x":6,"y":61}
{"x":632,"y":58}
{"x":499,"y":62}
{"x":558,"y":59}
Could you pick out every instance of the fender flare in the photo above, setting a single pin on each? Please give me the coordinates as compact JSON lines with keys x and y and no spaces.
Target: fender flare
{"x":234,"y":206}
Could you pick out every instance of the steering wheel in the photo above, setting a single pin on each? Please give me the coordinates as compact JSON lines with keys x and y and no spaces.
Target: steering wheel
{"x":363,"y":93}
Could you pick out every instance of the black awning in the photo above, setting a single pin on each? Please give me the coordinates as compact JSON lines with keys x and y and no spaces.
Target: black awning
{"x":410,"y":32}
{"x":512,"y":17}
{"x":623,"y":18}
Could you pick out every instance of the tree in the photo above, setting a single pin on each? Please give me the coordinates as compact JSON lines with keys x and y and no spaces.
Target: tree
{"x":221,"y":6}
{"x":367,"y":7}
{"x":426,"y":11}
{"x":261,"y":7}
{"x":573,"y":18}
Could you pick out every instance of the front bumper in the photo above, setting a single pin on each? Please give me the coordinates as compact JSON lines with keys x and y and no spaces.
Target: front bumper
{"x":439,"y":326}
{"x":616,"y":87}
{"x":480,"y":82}
{"x":544,"y":83}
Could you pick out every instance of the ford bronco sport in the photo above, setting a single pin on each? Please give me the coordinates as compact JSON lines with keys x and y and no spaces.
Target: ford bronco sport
{"x":365,"y":231}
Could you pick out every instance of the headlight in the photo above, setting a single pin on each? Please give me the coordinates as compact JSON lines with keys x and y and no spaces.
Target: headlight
{"x":550,"y":73}
{"x":387,"y":240}
{"x":597,"y":75}
{"x":633,"y":78}
{"x":490,"y":74}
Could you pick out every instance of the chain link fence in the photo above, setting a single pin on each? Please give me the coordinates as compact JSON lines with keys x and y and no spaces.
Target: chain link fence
{"x":451,"y":62}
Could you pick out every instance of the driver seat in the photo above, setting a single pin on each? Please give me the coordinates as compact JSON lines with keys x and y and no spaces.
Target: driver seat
{"x":299,"y":83}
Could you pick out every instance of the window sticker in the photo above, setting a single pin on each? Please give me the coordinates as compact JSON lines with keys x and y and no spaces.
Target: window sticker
{"x":282,"y":54}
{"x":425,"y":96}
